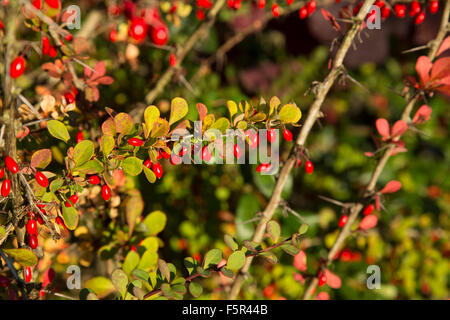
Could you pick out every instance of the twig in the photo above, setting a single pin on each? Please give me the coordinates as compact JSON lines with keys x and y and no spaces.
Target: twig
{"x":355,"y":210}
{"x":313,"y":114}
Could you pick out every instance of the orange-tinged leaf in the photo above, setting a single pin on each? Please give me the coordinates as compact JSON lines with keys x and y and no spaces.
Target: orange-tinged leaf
{"x":399,"y":128}
{"x":41,"y":158}
{"x":368,"y":222}
{"x":423,"y":67}
{"x":178,"y":109}
{"x":382,"y":127}
{"x":391,"y":187}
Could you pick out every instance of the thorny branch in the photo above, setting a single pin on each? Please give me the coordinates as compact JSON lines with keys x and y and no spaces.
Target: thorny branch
{"x":357,"y":207}
{"x":313,"y":114}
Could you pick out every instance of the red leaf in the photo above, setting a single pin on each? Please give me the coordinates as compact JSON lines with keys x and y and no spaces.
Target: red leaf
{"x":440,"y":70}
{"x":300,"y":261}
{"x":202,"y":111}
{"x":369,"y":154}
{"x":399,"y":128}
{"x":368,"y":222}
{"x":423,"y":114}
{"x":333,"y":280}
{"x":423,"y":67}
{"x":106,"y":80}
{"x":377,"y":202}
{"x":382,"y":127}
{"x":445,"y":45}
{"x":298,"y":277}
{"x":323,"y":295}
{"x":100,"y":69}
{"x":391,"y":187}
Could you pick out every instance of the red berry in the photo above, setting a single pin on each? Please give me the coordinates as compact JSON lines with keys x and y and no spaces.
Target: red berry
{"x":32,"y":226}
{"x":41,"y":179}
{"x":380,"y":4}
{"x":237,"y":151}
{"x":369,"y":209}
{"x":54,"y":4}
{"x":400,"y":10}
{"x":289,"y":2}
{"x":60,"y":221}
{"x":434,"y":6}
{"x":287,"y":135}
{"x":175,"y":160}
{"x":253,"y":139}
{"x":261,"y":4}
{"x":6,"y":187}
{"x":172,"y":59}
{"x":11,"y":164}
{"x":73,"y":198}
{"x":94,"y":179}
{"x":309,"y":168}
{"x":138,"y":29}
{"x":17,"y":67}
{"x":263,"y":167}
{"x":343,"y":220}
{"x":135,"y":142}
{"x":157,"y":170}
{"x":200,"y":15}
{"x":52,"y":52}
{"x":322,"y":278}
{"x":303,"y":13}
{"x":69,"y":97}
{"x":147,"y":163}
{"x":27,"y":274}
{"x":45,"y":45}
{"x":206,"y":155}
{"x":299,"y":163}
{"x":33,"y":241}
{"x":165,"y":154}
{"x":414,"y":8}
{"x":183,"y":151}
{"x":420,"y":17}
{"x":2,"y":173}
{"x":275,"y":10}
{"x":160,"y":35}
{"x":311,"y":6}
{"x":67,"y":204}
{"x":106,"y":192}
{"x":69,"y":37}
{"x":272,"y":135}
{"x":39,"y":219}
{"x":37,"y":4}
{"x":385,"y":12}
{"x":113,"y":35}
{"x":80,"y":136}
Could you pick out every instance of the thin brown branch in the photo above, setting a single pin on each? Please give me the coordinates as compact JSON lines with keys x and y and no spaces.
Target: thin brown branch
{"x":314,"y":113}
{"x":356,"y":208}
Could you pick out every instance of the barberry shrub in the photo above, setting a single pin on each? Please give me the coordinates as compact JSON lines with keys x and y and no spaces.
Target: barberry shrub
{"x":132,"y":148}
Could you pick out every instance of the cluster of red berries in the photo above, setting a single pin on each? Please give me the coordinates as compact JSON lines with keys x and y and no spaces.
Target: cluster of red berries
{"x":141,"y":23}
{"x":12,"y":166}
{"x":400,"y":9}
{"x":94,"y":180}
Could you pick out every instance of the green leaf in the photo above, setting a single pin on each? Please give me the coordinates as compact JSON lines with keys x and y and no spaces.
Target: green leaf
{"x":83,"y":152}
{"x":303,"y":228}
{"x":123,"y":123}
{"x":41,"y":158}
{"x":232,"y":108}
{"x":58,"y":130}
{"x":290,"y":249}
{"x":236,"y":260}
{"x":24,"y":257}
{"x":227,"y":272}
{"x":212,"y":258}
{"x":151,"y":115}
{"x":221,"y":124}
{"x":290,"y":113}
{"x":178,"y":109}
{"x":90,"y":167}
{"x":131,"y":262}
{"x":155,"y":222}
{"x":2,"y":232}
{"x":195,"y":289}
{"x":70,"y":216}
{"x":164,"y":269}
{"x":231,"y":242}
{"x":149,"y":261}
{"x":134,"y":206}
{"x":179,"y":288}
{"x":101,"y":286}
{"x":149,"y":174}
{"x":141,"y":274}
{"x":56,"y":184}
{"x":107,"y":144}
{"x":191,"y":264}
{"x":272,"y":258}
{"x":274,"y":230}
{"x":120,"y":281}
{"x":132,"y":166}
{"x":247,"y":208}
{"x":166,"y":290}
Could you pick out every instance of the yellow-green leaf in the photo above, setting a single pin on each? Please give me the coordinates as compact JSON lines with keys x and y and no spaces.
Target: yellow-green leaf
{"x":132,"y":166}
{"x":101,"y":286}
{"x":123,"y":123}
{"x":232,"y":108}
{"x":160,"y":128}
{"x":178,"y":109}
{"x":82,"y":152}
{"x":290,"y":113}
{"x":90,"y":167}
{"x":58,"y":130}
{"x":151,"y":115}
{"x":149,"y":174}
{"x":24,"y":257}
{"x":70,"y":216}
{"x":236,"y":260}
{"x":222,"y":124}
{"x":155,"y":222}
{"x":107,"y":144}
